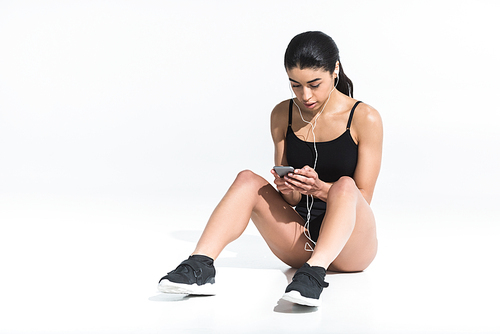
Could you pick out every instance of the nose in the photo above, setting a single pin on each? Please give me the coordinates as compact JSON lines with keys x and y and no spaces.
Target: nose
{"x":306,"y":94}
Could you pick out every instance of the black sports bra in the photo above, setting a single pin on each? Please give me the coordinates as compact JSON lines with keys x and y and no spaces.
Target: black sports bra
{"x":336,"y":158}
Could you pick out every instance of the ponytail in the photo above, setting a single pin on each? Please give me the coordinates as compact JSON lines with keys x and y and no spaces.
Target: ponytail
{"x":344,"y":84}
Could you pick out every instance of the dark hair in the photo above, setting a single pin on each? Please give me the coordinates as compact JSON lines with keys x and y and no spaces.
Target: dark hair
{"x":317,"y":50}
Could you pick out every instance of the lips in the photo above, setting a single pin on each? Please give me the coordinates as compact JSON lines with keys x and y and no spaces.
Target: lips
{"x":310,"y":105}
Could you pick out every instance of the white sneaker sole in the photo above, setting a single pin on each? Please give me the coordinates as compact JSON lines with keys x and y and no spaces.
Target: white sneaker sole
{"x":295,"y":297}
{"x":166,"y":286}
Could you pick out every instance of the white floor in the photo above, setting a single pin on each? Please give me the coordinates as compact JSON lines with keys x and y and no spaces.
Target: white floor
{"x":91,"y":266}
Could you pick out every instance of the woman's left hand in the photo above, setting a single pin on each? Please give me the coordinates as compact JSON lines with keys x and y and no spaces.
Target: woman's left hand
{"x":307,"y":182}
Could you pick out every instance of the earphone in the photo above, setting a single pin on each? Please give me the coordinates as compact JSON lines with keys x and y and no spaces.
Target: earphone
{"x":309,"y":207}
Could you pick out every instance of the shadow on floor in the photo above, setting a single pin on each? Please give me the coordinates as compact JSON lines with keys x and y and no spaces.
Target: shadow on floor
{"x":288,"y":307}
{"x":172,"y":297}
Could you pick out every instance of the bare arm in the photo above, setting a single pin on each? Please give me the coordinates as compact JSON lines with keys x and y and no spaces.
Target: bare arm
{"x":279,"y":123}
{"x":369,"y":130}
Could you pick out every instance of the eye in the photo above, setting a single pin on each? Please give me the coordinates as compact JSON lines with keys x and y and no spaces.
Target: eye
{"x":295,"y":86}
{"x":315,"y":86}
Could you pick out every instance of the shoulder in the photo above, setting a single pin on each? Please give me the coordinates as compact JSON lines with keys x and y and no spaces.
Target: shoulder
{"x":279,"y":119}
{"x":367,"y":123}
{"x":280,"y":110}
{"x":366,"y":116}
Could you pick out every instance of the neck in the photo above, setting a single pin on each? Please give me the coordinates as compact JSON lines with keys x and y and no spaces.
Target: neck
{"x":314,"y":114}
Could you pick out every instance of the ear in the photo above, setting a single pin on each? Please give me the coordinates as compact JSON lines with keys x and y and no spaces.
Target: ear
{"x":337,"y":68}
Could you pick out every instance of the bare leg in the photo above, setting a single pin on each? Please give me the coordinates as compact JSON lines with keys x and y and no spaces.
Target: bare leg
{"x":251,"y":196}
{"x":347,"y":241}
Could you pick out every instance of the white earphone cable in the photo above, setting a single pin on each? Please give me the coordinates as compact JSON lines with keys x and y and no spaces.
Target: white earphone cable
{"x":307,"y":234}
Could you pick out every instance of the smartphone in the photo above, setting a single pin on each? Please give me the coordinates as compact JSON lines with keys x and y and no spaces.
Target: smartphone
{"x":283,"y":170}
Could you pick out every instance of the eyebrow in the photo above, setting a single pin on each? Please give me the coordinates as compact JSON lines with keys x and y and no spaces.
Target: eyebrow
{"x":311,"y":81}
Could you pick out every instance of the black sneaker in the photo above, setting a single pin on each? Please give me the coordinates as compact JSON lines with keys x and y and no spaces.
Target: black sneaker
{"x":307,"y":285}
{"x":194,"y":276}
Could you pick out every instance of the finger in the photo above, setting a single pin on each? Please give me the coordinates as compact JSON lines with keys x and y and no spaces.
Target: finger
{"x":302,"y":171}
{"x":276,"y":176}
{"x":281,"y":183}
{"x":297,"y":188}
{"x":291,"y":187}
{"x":295,"y":182}
{"x":308,"y":171}
{"x":285,"y":188}
{"x":300,"y":178}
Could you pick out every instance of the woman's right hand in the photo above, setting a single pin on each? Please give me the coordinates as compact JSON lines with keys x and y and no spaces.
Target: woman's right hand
{"x":282,"y":186}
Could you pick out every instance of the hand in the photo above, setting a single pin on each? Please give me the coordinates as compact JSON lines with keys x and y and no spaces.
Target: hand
{"x":281,"y":184}
{"x":305,"y":181}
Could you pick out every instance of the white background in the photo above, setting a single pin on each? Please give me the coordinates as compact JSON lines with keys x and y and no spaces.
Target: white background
{"x":150,"y":99}
{"x":125,"y":114}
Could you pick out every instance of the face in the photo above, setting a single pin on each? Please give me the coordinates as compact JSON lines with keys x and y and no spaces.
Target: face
{"x":311,"y":86}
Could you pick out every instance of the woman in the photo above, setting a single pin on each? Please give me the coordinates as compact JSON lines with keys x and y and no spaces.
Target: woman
{"x":335,"y":145}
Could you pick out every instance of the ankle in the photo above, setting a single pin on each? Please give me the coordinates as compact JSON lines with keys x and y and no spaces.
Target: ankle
{"x":202,"y":253}
{"x":202,"y":258}
{"x":313,"y":263}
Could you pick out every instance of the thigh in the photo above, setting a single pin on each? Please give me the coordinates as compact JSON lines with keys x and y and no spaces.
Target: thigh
{"x":281,"y":226}
{"x":361,"y":248}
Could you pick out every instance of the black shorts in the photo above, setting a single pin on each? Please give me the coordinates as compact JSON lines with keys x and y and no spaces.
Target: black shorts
{"x":317,"y":214}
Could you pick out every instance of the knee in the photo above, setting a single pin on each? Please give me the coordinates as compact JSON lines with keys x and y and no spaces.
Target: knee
{"x":248,"y":178}
{"x":246,"y":175}
{"x":345,"y":186}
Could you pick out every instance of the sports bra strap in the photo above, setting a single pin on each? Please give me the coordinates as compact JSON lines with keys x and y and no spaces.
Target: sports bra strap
{"x":352,"y":113}
{"x":290,"y":109}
